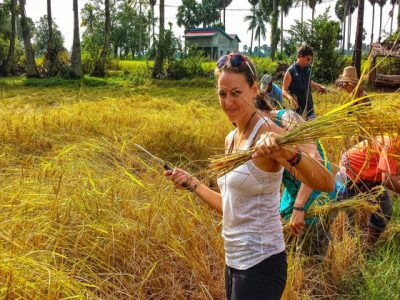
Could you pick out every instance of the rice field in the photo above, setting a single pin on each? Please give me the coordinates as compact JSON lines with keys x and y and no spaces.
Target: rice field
{"x":83,"y":215}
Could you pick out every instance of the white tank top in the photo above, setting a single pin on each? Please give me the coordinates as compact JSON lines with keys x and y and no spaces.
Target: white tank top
{"x":251,"y":227}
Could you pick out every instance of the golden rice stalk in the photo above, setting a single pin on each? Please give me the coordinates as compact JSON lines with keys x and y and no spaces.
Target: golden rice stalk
{"x":343,"y":122}
{"x":392,"y":232}
{"x":363,"y":202}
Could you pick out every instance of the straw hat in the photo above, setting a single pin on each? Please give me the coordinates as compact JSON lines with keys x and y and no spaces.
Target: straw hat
{"x":349,"y":75}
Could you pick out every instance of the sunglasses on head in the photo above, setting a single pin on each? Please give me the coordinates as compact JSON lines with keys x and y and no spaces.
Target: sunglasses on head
{"x":236,"y":60}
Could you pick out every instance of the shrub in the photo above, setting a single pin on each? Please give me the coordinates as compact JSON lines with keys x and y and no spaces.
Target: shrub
{"x":187,"y":67}
{"x":321,"y":34}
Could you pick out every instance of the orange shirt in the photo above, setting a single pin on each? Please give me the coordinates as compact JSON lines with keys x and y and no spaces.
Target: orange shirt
{"x":367,"y":162}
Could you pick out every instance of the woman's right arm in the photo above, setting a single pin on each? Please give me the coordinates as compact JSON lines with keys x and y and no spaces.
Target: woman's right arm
{"x":180,"y":177}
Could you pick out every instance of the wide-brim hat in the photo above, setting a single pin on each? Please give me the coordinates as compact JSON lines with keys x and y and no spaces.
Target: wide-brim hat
{"x":349,"y":75}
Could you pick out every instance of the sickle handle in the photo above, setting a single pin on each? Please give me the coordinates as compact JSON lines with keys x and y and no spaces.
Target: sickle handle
{"x":186,"y":185}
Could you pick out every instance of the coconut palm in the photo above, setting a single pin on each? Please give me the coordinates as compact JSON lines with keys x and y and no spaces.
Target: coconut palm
{"x":260,"y":29}
{"x":188,"y":14}
{"x":373,"y":19}
{"x":302,"y":10}
{"x":398,"y":14}
{"x":381,"y":4}
{"x":9,"y":64}
{"x":159,"y":60}
{"x":223,"y":4}
{"x":340,"y":11}
{"x":152,"y":4}
{"x":76,"y":57}
{"x":312,"y":4}
{"x":272,"y":6}
{"x":51,"y":57}
{"x":31,"y":70}
{"x":252,"y":22}
{"x":344,"y":8}
{"x":393,"y":2}
{"x":99,"y":68}
{"x":285,"y":7}
{"x":352,"y":5}
{"x":359,"y":37}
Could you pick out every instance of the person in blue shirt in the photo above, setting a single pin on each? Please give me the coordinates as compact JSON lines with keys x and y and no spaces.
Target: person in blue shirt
{"x":273,"y":91}
{"x":297,"y":197}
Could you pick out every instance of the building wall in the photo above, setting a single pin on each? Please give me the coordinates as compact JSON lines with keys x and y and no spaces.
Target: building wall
{"x":200,"y":42}
{"x":220,"y":44}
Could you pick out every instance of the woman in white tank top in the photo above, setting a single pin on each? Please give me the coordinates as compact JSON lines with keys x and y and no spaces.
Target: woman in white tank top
{"x":249,"y":195}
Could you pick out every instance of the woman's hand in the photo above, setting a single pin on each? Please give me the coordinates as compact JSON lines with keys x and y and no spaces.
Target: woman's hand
{"x":267,"y":146}
{"x":182,"y":179}
{"x":296,"y":223}
{"x":321,"y":89}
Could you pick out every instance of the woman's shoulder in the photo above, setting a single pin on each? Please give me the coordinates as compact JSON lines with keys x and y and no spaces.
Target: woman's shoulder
{"x":269,"y":126}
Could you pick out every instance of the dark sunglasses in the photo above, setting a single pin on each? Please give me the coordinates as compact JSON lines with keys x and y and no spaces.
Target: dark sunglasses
{"x":236,"y":59}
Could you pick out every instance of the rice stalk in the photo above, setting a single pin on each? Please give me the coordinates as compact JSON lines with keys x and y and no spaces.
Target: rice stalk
{"x":361,"y":203}
{"x":349,"y":119}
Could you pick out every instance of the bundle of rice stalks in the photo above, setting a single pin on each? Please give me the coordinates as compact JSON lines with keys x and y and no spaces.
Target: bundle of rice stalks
{"x":362,"y":203}
{"x":348,"y":120}
{"x":392,"y":232}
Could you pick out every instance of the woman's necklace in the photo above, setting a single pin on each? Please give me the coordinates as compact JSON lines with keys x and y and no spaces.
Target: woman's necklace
{"x":242,"y":135}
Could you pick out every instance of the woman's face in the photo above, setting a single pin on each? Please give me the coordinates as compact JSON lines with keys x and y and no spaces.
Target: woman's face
{"x":236,"y":97}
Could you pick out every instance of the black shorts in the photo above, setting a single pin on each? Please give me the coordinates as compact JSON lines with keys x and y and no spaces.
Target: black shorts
{"x":377,"y":220}
{"x":264,"y":281}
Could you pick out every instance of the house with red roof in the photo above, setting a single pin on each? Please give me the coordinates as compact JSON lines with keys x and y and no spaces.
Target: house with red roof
{"x":214,"y":41}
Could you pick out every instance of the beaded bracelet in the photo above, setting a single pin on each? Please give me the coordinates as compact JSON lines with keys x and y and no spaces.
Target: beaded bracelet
{"x":194,"y":187}
{"x":298,"y":208}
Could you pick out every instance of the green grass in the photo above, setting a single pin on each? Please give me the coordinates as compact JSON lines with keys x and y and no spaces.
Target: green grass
{"x":380,"y":276}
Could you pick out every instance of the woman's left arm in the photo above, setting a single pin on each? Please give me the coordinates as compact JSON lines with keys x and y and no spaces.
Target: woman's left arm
{"x":307,"y":169}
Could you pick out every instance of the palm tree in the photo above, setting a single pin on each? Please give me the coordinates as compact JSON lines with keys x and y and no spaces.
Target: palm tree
{"x":9,"y":64}
{"x":188,"y":14}
{"x":31,"y":70}
{"x":358,"y":42}
{"x":100,"y":65}
{"x":381,"y":4}
{"x":285,"y":7}
{"x":252,"y":19}
{"x":51,"y":55}
{"x":349,"y":14}
{"x":393,"y":2}
{"x":302,"y":10}
{"x":223,"y":4}
{"x":312,"y":4}
{"x":344,"y":8}
{"x":351,"y":8}
{"x":159,"y":60}
{"x":373,"y":19}
{"x":398,"y":15}
{"x":274,"y":25}
{"x":152,"y":4}
{"x":260,"y":29}
{"x":76,"y":57}
{"x":340,"y":11}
